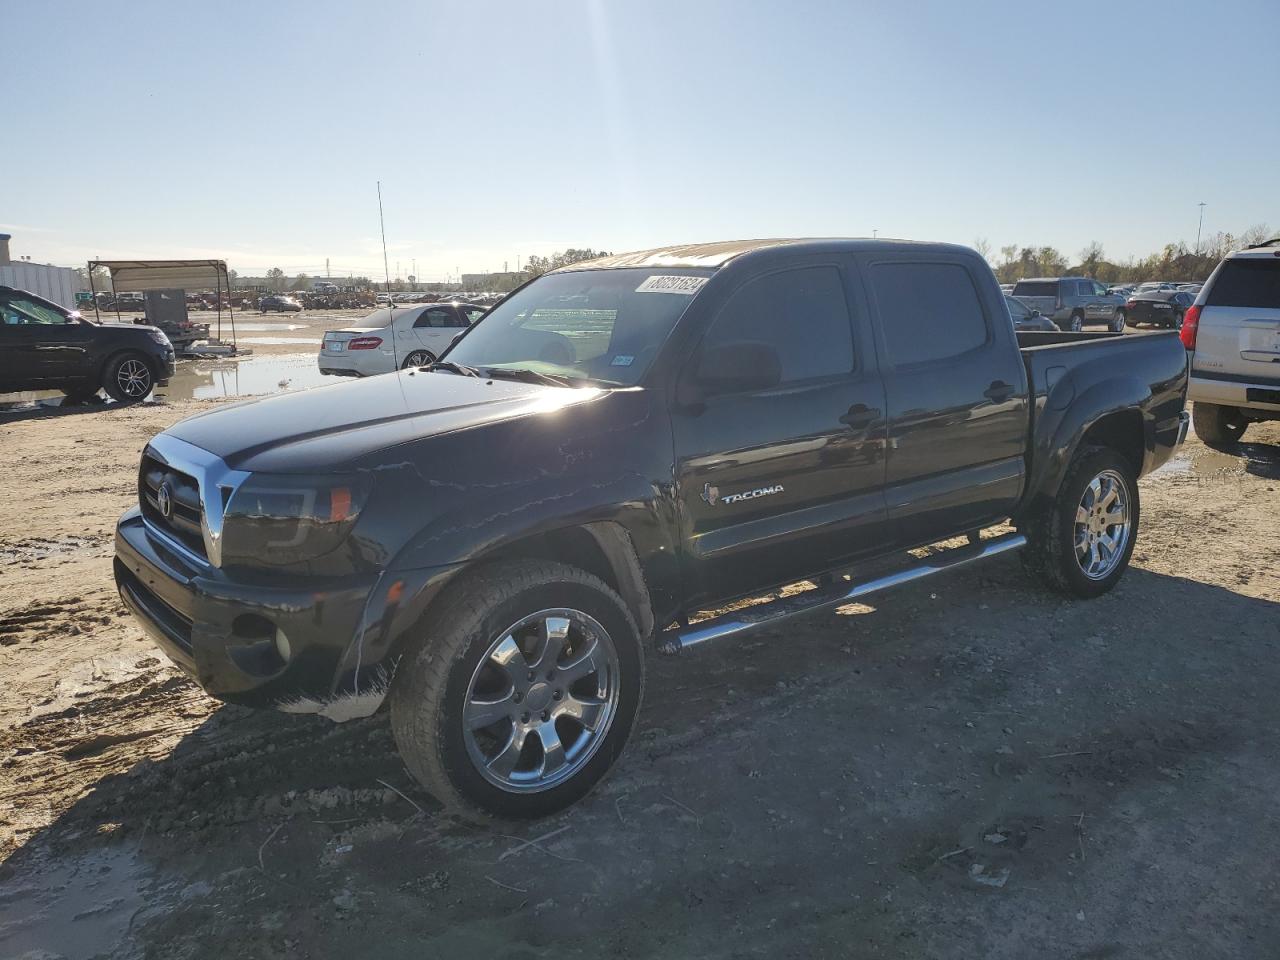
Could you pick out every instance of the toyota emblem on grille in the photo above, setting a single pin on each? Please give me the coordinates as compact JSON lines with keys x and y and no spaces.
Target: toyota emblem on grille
{"x":164,"y":500}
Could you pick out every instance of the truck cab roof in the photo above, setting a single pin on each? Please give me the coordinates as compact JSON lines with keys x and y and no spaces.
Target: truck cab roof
{"x":718,"y":254}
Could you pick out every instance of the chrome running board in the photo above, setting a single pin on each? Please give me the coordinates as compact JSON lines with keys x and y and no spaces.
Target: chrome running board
{"x":847,"y":591}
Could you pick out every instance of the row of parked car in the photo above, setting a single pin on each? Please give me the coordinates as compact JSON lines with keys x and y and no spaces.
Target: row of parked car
{"x":1072,"y":303}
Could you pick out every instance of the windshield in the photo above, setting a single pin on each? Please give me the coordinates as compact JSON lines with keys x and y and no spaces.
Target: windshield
{"x":593,"y":325}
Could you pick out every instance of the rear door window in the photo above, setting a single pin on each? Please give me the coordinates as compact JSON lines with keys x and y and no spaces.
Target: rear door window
{"x":929,"y":311}
{"x":435,"y":317}
{"x":1246,"y":282}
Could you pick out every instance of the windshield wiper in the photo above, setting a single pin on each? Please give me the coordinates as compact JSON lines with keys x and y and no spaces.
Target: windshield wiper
{"x":459,"y":368}
{"x":527,"y":376}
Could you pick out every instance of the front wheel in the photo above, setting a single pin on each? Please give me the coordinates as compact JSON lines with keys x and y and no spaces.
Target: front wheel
{"x":1081,"y":542}
{"x":520,"y":692}
{"x":1076,"y":323}
{"x":418,"y":358}
{"x":128,"y":378}
{"x":1117,"y":322}
{"x":1216,"y":425}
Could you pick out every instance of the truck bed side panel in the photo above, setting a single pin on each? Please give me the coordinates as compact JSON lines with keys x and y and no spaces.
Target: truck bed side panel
{"x":1077,"y":380}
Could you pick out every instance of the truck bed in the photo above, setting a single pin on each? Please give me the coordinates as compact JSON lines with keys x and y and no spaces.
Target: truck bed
{"x":1142,"y":372}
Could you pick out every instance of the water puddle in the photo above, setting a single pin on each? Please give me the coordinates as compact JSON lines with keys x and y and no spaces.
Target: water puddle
{"x":301,"y":341}
{"x":253,"y":327}
{"x":78,"y":907}
{"x":247,"y":377}
{"x":1203,"y":465}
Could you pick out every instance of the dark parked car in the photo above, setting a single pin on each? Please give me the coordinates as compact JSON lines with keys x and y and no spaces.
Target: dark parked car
{"x":1164,"y":308}
{"x":493,"y":544}
{"x":279,"y":304}
{"x":46,"y":347}
{"x":1072,"y":303}
{"x":1025,"y":318}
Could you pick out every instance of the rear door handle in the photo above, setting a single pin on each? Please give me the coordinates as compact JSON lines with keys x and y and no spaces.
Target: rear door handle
{"x":860,"y":416}
{"x":999,"y":391}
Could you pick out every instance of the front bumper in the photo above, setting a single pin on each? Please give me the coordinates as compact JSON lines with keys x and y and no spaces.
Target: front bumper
{"x":221,"y":632}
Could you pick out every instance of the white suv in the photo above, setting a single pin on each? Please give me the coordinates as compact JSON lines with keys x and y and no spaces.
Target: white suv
{"x":1233,"y":336}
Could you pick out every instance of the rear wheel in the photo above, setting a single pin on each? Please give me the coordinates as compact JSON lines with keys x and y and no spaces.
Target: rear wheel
{"x":1217,"y":425}
{"x":520,"y":692}
{"x":1117,"y":322}
{"x":1081,"y":542}
{"x":128,"y":378}
{"x":1177,"y":320}
{"x":418,"y":358}
{"x":1076,"y":323}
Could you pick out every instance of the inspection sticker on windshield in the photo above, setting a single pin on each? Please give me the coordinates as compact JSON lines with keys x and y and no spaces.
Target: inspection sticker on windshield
{"x":685,"y":285}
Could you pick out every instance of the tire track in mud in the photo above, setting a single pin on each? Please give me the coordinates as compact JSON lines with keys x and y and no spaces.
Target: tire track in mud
{"x":45,"y":619}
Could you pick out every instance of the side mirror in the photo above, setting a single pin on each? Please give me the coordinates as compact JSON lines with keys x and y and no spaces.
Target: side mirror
{"x":739,"y":367}
{"x":1035,"y":313}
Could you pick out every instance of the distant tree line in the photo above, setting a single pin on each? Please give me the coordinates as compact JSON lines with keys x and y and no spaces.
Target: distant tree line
{"x":1176,"y":261}
{"x":537,"y":265}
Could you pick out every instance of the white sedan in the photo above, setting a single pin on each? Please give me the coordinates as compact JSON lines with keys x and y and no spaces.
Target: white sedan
{"x":395,"y":338}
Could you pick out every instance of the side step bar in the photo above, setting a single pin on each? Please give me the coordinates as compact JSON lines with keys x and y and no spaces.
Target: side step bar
{"x":767,"y":614}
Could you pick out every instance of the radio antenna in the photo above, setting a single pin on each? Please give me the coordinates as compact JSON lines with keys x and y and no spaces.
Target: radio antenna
{"x":386,"y":269}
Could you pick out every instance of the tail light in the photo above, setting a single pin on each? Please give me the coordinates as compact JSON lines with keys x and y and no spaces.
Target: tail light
{"x":1131,"y":303}
{"x":1190,"y":327}
{"x":364,"y":343}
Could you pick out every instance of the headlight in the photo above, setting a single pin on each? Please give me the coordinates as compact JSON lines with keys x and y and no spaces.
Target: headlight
{"x":284,"y":518}
{"x":158,"y":336}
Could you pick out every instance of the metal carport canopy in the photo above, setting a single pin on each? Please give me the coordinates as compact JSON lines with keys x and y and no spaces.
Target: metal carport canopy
{"x":164,"y":274}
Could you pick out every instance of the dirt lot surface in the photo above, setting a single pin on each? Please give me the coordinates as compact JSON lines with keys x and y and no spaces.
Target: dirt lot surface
{"x":972,"y":767}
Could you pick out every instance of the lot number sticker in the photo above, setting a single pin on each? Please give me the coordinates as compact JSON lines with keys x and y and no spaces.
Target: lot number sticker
{"x":685,"y":285}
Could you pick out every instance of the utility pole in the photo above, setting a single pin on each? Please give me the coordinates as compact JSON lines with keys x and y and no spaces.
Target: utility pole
{"x":874,"y":233}
{"x":1200,"y":227}
{"x":327,"y":275}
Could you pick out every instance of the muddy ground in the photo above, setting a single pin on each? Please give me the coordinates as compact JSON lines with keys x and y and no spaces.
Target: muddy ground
{"x":971,"y":767}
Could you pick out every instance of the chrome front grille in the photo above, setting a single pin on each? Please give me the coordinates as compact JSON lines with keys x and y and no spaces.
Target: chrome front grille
{"x":183,"y":492}
{"x":157,"y":482}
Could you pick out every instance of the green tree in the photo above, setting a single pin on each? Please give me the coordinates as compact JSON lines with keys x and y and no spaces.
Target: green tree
{"x":300,"y":282}
{"x":1091,"y":258}
{"x":275,"y":279}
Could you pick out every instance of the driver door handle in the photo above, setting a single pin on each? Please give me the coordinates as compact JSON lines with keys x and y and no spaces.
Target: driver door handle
{"x":999,"y":391}
{"x":860,"y":416}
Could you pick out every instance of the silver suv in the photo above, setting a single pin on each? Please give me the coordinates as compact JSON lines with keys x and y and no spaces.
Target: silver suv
{"x":1072,"y":302}
{"x":1233,"y":335}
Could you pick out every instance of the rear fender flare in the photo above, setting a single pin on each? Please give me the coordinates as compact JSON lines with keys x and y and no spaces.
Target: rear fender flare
{"x":1067,"y":416}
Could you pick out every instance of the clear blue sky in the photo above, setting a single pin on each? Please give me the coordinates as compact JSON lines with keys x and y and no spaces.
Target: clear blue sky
{"x":256,"y":131}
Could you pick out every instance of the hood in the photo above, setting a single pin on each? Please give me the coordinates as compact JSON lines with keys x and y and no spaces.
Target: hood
{"x":325,"y":428}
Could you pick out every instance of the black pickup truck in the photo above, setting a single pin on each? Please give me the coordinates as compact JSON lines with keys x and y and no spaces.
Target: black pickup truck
{"x":493,"y":543}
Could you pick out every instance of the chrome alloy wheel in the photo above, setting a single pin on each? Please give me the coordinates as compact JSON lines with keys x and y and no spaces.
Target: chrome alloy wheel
{"x":1102,"y":525}
{"x":541,"y":701}
{"x":134,"y":379}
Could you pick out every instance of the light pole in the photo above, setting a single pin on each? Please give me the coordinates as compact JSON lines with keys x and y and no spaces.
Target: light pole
{"x":1199,"y":227}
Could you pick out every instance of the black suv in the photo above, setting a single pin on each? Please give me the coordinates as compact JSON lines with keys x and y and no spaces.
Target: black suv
{"x":46,"y":347}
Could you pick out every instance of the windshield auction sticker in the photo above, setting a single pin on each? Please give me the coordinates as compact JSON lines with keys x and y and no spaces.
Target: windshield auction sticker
{"x":685,"y":285}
